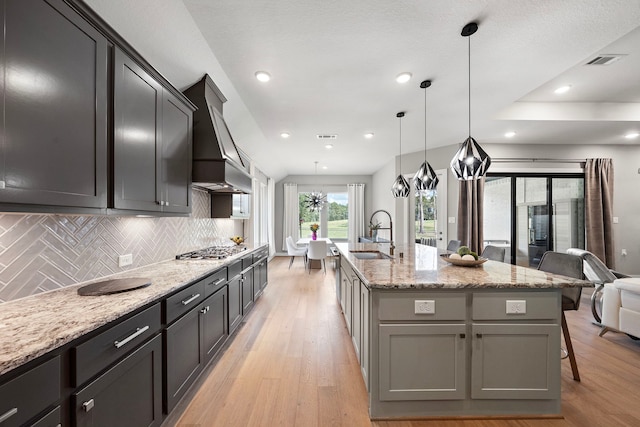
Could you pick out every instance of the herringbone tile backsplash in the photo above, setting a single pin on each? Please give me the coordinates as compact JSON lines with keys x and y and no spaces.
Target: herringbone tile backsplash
{"x":44,"y":252}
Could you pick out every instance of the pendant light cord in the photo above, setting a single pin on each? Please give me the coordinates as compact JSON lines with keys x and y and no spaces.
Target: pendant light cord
{"x":400,"y":145}
{"x":425,"y":124}
{"x":469,"y":57}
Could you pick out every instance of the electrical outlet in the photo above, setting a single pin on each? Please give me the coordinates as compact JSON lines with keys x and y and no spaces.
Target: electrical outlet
{"x":516,"y":307}
{"x":452,"y":220}
{"x":124,"y":260}
{"x":427,"y":306}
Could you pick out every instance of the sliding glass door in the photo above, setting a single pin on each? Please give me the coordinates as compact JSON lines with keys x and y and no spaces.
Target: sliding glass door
{"x":530,"y":214}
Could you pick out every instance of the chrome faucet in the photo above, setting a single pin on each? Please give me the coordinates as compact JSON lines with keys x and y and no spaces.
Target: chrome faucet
{"x":390,"y":228}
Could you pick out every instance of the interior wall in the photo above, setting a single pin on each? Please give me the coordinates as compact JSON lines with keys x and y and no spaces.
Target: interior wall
{"x":319,"y":183}
{"x":383,"y":199}
{"x":46,"y":252}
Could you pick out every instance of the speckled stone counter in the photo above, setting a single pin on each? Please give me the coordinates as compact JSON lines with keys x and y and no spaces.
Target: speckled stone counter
{"x":33,"y":326}
{"x":421,"y":267}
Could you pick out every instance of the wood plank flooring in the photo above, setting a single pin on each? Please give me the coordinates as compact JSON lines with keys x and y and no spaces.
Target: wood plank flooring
{"x":292,"y":364}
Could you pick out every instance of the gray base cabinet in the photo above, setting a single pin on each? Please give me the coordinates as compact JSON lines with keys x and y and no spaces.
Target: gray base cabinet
{"x":127,"y":395}
{"x":235,"y":303}
{"x":215,"y":330}
{"x":247,"y":291}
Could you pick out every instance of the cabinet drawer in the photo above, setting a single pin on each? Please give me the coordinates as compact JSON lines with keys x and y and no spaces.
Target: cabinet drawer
{"x":215,"y":282}
{"x":101,"y":351}
{"x":247,"y":261}
{"x":51,"y":419}
{"x":544,"y":305}
{"x":24,"y":396}
{"x":402,"y":306}
{"x":234,"y":269}
{"x":259,"y":254}
{"x":178,"y":304}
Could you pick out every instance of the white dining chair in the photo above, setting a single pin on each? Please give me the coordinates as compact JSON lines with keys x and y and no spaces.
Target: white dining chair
{"x":317,"y":251}
{"x":294,"y":250}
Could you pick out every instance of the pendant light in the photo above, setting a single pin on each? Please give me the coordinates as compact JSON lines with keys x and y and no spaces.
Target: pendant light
{"x":400,"y":187}
{"x":315,"y":200}
{"x":471,"y":161}
{"x":425,"y":179}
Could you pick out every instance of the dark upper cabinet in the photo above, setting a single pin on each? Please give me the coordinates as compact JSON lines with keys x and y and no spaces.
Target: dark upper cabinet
{"x":53,"y":147}
{"x":152,"y":143}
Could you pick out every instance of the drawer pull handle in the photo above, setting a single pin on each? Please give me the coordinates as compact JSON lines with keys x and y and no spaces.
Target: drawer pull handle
{"x":10,"y":413}
{"x":217,"y":283}
{"x":463,"y":336}
{"x":88,"y":405}
{"x":190,"y":300}
{"x":479,"y":335}
{"x":137,"y":333}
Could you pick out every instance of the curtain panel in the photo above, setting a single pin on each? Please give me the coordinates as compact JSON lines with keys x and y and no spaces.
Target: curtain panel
{"x":271,"y":197}
{"x":356,"y":211}
{"x":598,"y":177}
{"x":291,"y":217}
{"x":470,"y":214}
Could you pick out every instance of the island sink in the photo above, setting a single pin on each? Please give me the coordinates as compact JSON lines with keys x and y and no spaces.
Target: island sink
{"x":370,"y":255}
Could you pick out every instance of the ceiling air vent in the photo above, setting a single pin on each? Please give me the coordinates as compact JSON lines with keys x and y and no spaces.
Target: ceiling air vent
{"x":604,"y":59}
{"x":324,"y":137}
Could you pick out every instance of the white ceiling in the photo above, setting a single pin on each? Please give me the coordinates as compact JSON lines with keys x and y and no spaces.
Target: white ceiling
{"x":333,"y":65}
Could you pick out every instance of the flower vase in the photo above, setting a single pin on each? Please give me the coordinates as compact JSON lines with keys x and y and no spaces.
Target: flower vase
{"x":375,"y":236}
{"x":314,"y":235}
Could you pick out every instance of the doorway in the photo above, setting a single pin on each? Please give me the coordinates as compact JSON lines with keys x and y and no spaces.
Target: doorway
{"x":529,"y":214}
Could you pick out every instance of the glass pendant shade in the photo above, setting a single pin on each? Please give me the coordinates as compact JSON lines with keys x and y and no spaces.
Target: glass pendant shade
{"x":400,"y":187}
{"x":470,"y":161}
{"x":425,"y":179}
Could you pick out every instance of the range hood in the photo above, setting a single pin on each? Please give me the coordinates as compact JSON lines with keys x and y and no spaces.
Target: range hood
{"x":217,"y":165}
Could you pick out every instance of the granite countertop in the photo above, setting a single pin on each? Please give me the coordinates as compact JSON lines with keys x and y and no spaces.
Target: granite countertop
{"x":35,"y":325}
{"x":421,"y":267}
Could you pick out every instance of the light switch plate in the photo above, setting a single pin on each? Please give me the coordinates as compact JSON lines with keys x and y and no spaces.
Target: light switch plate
{"x":516,"y":306}
{"x":425,"y":306}
{"x":452,"y":220}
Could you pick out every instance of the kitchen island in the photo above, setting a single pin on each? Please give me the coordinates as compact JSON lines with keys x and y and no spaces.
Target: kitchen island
{"x":434,"y":339}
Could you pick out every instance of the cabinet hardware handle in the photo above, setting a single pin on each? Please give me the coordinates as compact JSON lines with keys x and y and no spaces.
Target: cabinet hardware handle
{"x":463,"y":336}
{"x":205,"y":310}
{"x":138,"y":332}
{"x":10,"y":413}
{"x":217,"y":283}
{"x":479,"y":335}
{"x":88,"y":405}
{"x":189,"y":300}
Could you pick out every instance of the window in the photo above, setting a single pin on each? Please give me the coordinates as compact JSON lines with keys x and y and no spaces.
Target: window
{"x":333,"y":218}
{"x":426,"y":216}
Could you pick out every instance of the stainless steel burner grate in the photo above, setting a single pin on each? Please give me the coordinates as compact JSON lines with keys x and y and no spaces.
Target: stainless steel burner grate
{"x":212,"y":252}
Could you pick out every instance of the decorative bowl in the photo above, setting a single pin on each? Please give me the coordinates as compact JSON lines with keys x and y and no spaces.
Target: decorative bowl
{"x":463,"y":262}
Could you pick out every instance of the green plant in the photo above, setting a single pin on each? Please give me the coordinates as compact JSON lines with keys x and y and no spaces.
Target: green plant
{"x":375,"y":226}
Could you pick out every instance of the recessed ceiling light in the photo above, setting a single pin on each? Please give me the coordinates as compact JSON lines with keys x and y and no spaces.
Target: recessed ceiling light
{"x":328,"y":146}
{"x":325,"y":167}
{"x":562,"y":89}
{"x":368,"y":135}
{"x":285,"y":134}
{"x":263,"y":76}
{"x":403,"y":77}
{"x":632,"y":135}
{"x":510,"y":134}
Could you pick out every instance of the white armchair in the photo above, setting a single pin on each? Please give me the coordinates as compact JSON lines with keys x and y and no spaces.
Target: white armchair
{"x":294,"y":250}
{"x":621,"y":307}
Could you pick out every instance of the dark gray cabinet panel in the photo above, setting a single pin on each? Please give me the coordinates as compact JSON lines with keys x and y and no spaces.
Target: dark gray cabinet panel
{"x":235,"y":303}
{"x":176,"y":155}
{"x":127,"y":395}
{"x":137,"y":156}
{"x":25,"y":396}
{"x":247,"y":291}
{"x":184,"y":300}
{"x":214,"y":318}
{"x":183,"y":356}
{"x":51,"y":419}
{"x":54,"y":108}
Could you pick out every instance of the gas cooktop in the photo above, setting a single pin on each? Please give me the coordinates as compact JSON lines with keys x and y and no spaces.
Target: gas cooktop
{"x":212,"y":252}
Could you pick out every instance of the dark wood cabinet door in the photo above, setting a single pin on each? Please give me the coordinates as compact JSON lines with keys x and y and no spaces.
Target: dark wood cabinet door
{"x":53,"y":134}
{"x":183,"y":356}
{"x":235,"y":303}
{"x":176,"y":155}
{"x":127,"y":395}
{"x":137,"y":137}
{"x":247,"y":291}
{"x":214,"y":319}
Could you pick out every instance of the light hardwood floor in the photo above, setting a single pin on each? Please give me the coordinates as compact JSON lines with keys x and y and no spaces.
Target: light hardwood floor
{"x":292,"y":364}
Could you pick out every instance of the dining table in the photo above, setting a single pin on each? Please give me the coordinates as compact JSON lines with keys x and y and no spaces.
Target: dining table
{"x":305,"y":241}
